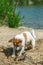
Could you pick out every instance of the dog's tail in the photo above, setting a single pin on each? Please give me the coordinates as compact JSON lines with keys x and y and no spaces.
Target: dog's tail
{"x":33,"y":33}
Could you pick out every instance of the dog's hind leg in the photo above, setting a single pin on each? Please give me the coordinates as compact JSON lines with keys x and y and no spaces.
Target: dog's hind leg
{"x":33,"y":43}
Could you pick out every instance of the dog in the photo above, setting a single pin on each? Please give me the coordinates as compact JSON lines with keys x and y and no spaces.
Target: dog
{"x":20,"y":40}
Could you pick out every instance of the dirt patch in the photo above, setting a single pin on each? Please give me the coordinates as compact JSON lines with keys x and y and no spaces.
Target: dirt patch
{"x":30,"y":57}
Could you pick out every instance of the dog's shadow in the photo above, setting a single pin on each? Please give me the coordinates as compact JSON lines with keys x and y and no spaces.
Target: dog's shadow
{"x":8,"y":51}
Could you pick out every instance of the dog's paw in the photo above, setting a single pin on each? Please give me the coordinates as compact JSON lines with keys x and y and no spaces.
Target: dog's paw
{"x":13,"y":55}
{"x":20,"y":58}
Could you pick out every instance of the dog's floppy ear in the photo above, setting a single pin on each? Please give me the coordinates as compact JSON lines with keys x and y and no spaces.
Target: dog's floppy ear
{"x":10,"y":40}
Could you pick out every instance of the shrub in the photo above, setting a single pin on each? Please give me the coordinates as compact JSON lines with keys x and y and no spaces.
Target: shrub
{"x":2,"y":9}
{"x":7,"y":13}
{"x":13,"y":20}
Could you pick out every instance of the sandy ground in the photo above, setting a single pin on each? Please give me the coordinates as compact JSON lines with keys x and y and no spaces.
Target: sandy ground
{"x":31,"y":57}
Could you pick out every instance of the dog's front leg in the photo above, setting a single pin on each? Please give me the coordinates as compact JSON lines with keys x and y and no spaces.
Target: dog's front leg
{"x":20,"y":55}
{"x":22,"y":50}
{"x":14,"y":49}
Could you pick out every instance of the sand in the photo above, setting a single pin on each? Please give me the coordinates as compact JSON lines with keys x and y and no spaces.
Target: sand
{"x":31,"y":57}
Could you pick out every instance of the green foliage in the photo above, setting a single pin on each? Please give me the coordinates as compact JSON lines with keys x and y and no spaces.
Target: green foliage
{"x":2,"y":8}
{"x":21,"y":2}
{"x":26,"y":2}
{"x":13,"y":20}
{"x":7,"y":13}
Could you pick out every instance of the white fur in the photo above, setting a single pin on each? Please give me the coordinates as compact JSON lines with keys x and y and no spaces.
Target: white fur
{"x":30,"y":37}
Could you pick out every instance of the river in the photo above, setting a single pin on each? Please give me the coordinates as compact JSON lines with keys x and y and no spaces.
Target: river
{"x":32,"y":16}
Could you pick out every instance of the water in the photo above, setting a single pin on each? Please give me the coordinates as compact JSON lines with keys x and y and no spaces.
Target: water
{"x":33,"y":16}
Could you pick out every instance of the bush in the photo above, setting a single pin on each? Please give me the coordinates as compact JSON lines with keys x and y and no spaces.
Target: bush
{"x":7,"y":13}
{"x":2,"y":9}
{"x":13,"y":20}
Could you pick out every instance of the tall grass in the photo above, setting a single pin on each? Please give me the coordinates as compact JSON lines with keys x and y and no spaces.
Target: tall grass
{"x":7,"y":13}
{"x":13,"y":20}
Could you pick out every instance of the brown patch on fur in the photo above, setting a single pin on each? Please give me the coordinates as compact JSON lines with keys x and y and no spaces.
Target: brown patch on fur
{"x":24,"y":34}
{"x":16,"y":42}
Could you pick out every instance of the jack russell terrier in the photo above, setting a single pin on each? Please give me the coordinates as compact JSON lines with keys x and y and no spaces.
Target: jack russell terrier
{"x":20,"y":40}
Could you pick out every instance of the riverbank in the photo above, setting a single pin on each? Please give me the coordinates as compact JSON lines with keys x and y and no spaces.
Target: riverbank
{"x":32,"y":56}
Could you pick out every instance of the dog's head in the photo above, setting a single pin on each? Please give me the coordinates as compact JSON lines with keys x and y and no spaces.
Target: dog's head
{"x":16,"y":42}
